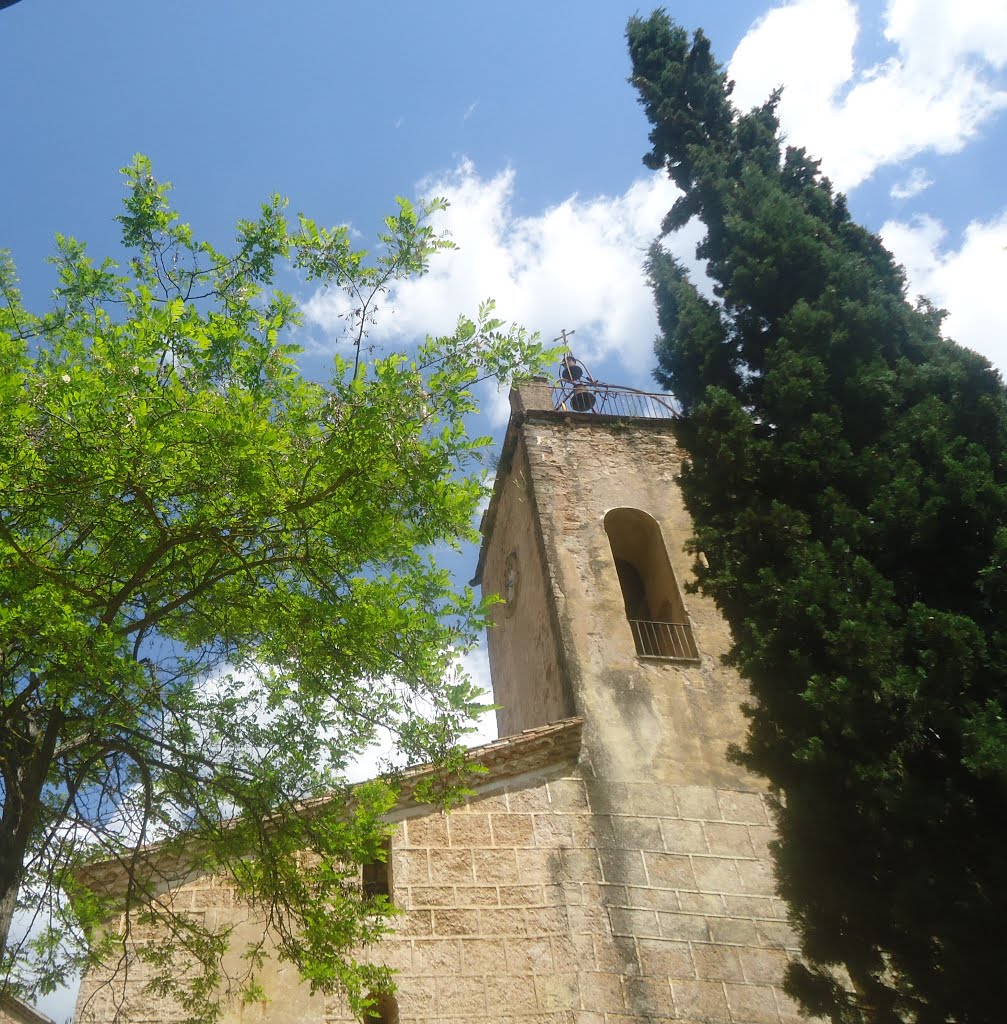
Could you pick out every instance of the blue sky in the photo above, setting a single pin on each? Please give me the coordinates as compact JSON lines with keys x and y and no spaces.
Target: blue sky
{"x":521,"y":115}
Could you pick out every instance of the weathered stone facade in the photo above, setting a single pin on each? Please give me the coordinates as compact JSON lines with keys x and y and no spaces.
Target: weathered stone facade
{"x":613,"y":866}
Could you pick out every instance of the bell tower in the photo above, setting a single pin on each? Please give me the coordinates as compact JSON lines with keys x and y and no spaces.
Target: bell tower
{"x":584,"y":542}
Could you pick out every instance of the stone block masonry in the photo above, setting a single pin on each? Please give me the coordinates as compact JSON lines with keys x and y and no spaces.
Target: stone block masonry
{"x":527,"y":905}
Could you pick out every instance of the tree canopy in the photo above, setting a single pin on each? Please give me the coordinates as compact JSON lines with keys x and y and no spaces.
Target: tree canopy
{"x":217,"y":583}
{"x":846,"y":474}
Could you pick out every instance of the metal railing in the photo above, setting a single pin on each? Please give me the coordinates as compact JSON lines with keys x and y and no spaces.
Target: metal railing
{"x":672,"y":640}
{"x":612,"y":400}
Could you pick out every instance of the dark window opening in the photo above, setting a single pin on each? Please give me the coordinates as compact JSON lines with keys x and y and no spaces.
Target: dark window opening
{"x":634,"y":593}
{"x":377,"y":874}
{"x":384,"y":1011}
{"x":654,"y":608}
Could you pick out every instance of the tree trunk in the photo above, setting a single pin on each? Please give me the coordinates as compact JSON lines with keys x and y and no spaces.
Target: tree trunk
{"x":26,"y":756}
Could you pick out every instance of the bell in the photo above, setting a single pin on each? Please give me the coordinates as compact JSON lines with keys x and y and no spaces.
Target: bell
{"x":571,"y":371}
{"x":582,"y":400}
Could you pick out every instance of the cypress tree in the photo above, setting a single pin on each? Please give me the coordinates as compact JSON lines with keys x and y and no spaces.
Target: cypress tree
{"x":846,"y":476}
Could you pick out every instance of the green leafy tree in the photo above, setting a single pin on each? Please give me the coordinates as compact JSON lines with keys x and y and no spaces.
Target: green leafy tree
{"x":216,"y":584}
{"x":846,"y":475}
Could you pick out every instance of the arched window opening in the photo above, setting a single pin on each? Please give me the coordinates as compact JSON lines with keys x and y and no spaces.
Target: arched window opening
{"x":650,"y":593}
{"x":384,"y":1010}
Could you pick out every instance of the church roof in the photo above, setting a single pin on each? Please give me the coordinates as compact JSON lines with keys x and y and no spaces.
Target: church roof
{"x":16,"y":1010}
{"x":505,"y":758}
{"x":524,"y":753}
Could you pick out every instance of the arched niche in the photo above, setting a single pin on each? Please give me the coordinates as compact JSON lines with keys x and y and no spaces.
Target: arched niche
{"x":653,"y":602}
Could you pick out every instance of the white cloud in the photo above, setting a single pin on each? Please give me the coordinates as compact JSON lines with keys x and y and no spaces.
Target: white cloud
{"x":576,"y":265}
{"x":934,"y":93}
{"x":967,"y":280}
{"x":934,"y":33}
{"x":916,"y":182}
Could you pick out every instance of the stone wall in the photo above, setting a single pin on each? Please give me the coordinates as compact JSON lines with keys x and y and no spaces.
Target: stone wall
{"x":532,"y":905}
{"x":530,"y":681}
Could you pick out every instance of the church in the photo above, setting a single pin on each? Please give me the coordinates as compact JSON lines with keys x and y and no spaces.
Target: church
{"x":612,"y":866}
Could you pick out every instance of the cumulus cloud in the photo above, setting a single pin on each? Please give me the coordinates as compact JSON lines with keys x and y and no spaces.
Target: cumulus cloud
{"x":576,"y":265}
{"x":935,"y":92}
{"x":935,"y":33}
{"x":965,"y":280}
{"x":916,"y":182}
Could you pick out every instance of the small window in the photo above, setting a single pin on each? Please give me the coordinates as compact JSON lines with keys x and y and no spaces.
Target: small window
{"x":384,"y":1011}
{"x":650,"y":593}
{"x":376,"y":876}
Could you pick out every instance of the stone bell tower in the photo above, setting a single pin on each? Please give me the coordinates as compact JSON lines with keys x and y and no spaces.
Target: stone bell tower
{"x":584,"y":543}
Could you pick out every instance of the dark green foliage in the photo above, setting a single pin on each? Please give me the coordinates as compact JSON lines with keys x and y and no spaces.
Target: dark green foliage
{"x":847,"y":479}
